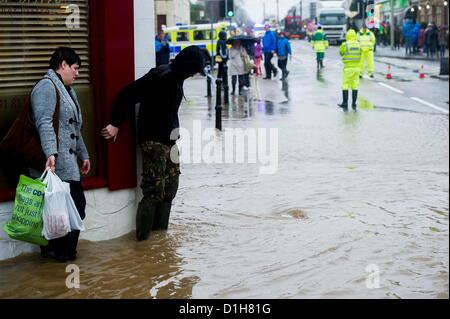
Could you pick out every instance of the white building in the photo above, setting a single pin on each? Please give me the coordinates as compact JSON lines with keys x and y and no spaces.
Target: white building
{"x":172,"y":12}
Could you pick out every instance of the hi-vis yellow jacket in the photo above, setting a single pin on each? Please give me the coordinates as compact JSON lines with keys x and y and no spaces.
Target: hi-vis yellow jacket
{"x":367,"y":40}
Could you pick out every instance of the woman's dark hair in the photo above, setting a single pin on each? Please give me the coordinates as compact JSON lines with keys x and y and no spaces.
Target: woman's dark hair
{"x":64,"y":54}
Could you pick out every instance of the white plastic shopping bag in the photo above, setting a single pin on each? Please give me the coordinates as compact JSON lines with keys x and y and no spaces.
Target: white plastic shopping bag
{"x":76,"y":223}
{"x":60,"y":213}
{"x":55,"y":217}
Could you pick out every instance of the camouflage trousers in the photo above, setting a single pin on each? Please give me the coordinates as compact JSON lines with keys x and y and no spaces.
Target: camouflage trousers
{"x":160,"y":175}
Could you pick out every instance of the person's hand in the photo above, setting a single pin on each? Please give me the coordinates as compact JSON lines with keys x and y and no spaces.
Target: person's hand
{"x":86,"y":168}
{"x":110,"y":132}
{"x":51,"y":163}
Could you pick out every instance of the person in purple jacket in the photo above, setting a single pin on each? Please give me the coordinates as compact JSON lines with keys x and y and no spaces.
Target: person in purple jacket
{"x":258,"y":57}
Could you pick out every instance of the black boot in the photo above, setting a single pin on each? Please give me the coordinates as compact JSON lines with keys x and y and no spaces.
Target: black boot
{"x":72,"y":242}
{"x":344,"y":104}
{"x":144,"y":219}
{"x":321,"y":64}
{"x":354,"y":98}
{"x":162,"y":215}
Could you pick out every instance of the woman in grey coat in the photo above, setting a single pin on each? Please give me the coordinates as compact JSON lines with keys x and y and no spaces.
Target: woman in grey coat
{"x":236,"y":66}
{"x":62,"y":151}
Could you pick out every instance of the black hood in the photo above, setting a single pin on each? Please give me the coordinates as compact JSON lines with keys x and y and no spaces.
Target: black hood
{"x":222,"y":35}
{"x":189,"y":62}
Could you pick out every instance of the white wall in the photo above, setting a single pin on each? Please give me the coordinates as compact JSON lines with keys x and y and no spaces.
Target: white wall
{"x":108,"y":214}
{"x":144,"y":35}
{"x":177,"y":11}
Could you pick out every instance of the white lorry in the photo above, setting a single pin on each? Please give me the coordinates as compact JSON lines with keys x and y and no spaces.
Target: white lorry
{"x":331,"y":15}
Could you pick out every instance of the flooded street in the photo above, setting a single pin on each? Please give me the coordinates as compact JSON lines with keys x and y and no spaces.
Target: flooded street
{"x":353,"y":195}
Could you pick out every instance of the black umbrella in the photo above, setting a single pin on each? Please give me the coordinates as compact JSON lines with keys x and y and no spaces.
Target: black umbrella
{"x":243,"y":38}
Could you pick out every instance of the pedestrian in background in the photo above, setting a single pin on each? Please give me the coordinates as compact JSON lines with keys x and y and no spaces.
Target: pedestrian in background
{"x":269,"y":48}
{"x":250,"y":50}
{"x":63,"y":151}
{"x":284,"y":52}
{"x":397,"y":37}
{"x":159,"y":93}
{"x":408,"y":27}
{"x":415,"y":38}
{"x":237,"y":69}
{"x":421,"y":39}
{"x":222,"y":57}
{"x":258,"y":57}
{"x":430,"y":40}
{"x":443,"y":40}
{"x":162,"y":49}
{"x":351,"y":53}
{"x":320,"y":45}
{"x":367,"y":41}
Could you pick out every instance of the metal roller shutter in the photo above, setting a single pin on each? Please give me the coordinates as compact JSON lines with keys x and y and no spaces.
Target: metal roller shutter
{"x":30,"y":32}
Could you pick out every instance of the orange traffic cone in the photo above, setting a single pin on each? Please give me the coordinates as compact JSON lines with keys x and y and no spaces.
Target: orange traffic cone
{"x":389,"y":75}
{"x":421,"y":75}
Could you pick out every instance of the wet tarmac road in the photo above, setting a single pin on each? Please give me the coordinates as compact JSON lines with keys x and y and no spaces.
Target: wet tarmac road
{"x":357,"y":208}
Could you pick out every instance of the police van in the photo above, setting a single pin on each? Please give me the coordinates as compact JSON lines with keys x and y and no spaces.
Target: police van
{"x":200,"y":35}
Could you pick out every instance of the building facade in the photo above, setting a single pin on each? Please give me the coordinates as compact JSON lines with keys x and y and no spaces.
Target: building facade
{"x":172,"y":12}
{"x":113,"y":55}
{"x":422,"y":11}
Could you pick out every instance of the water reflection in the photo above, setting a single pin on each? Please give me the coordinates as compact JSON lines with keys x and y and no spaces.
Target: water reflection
{"x":285,"y":88}
{"x":319,"y":77}
{"x":365,"y":104}
{"x":351,"y":119}
{"x":120,"y":268}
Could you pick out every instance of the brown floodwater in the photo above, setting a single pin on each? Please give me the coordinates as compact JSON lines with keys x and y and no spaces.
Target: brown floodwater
{"x":353,"y":193}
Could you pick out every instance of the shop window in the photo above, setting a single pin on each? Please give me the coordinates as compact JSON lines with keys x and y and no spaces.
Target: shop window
{"x":29,"y":33}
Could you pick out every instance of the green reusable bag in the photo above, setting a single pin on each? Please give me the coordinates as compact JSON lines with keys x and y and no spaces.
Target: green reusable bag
{"x":26,"y":223}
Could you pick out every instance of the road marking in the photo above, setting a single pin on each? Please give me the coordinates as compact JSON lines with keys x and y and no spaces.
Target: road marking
{"x":391,"y":88}
{"x":430,"y":105}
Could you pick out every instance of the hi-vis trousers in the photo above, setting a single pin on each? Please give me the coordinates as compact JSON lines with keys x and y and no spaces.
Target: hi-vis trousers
{"x":367,"y":57}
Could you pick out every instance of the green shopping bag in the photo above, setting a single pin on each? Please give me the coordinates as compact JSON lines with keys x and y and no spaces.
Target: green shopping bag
{"x":26,"y":223}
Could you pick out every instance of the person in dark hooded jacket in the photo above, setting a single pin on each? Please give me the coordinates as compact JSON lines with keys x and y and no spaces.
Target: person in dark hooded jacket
{"x":159,"y":93}
{"x":222,"y":57}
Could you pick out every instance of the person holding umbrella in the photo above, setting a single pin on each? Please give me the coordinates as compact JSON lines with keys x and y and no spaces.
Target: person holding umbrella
{"x":238,"y":56}
{"x":237,"y":69}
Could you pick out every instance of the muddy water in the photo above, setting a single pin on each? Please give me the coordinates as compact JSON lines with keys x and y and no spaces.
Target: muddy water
{"x":359,"y":208}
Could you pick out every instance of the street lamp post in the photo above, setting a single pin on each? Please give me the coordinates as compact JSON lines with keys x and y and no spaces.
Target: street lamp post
{"x":392,"y":25}
{"x":264,"y":11}
{"x":301,"y":9}
{"x":446,"y":11}
{"x":278,"y":11}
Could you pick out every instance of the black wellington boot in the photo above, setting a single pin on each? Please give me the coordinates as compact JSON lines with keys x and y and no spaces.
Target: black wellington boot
{"x":354,"y":98}
{"x":72,"y":242}
{"x":162,"y":215}
{"x":344,"y":104}
{"x":144,"y":219}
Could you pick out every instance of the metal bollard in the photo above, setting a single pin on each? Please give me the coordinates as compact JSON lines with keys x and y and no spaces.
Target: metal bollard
{"x":219,"y":104}
{"x":226,"y":96}
{"x":208,"y":87}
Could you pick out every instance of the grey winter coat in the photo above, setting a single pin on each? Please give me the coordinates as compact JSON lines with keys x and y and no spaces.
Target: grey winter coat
{"x":236,"y":66}
{"x":70,"y":145}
